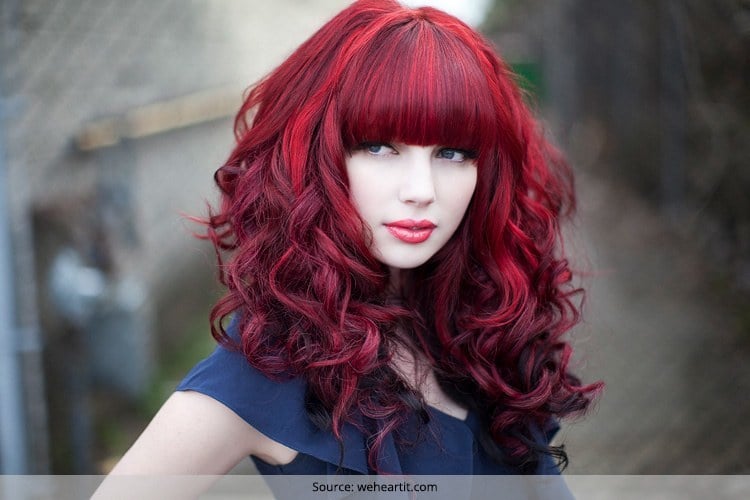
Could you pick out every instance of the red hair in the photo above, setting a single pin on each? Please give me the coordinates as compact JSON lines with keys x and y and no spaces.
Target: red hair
{"x":490,"y":308}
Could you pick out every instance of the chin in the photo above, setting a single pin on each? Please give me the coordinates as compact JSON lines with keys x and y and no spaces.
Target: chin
{"x":402,"y":261}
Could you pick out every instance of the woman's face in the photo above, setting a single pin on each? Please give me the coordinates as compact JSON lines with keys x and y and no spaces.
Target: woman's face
{"x":412,"y":197}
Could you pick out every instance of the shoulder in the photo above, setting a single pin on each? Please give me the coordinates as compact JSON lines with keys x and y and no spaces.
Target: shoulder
{"x":273,"y":408}
{"x":225,"y":383}
{"x":194,"y":434}
{"x":227,"y":377}
{"x":228,"y":425}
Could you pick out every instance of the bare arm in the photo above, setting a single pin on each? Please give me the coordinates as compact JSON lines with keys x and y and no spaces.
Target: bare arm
{"x":195,"y":434}
{"x":191,"y":434}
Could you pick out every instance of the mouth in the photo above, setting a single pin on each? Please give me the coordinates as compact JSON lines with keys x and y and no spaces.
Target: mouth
{"x":411,"y":231}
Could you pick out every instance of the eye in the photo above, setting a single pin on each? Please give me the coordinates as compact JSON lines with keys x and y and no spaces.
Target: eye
{"x":377,"y":148}
{"x":456,"y":155}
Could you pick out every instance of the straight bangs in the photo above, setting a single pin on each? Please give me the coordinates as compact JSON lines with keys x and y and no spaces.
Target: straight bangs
{"x":415,"y":84}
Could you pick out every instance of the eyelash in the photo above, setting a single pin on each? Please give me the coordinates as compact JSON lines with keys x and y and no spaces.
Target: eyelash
{"x":467,"y":154}
{"x":365,"y":146}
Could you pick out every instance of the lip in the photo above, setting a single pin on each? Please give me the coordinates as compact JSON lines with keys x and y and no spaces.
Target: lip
{"x":411,"y":231}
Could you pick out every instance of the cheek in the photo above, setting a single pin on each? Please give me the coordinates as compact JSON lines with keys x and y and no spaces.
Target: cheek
{"x":366,"y":188}
{"x":457,"y":187}
{"x":362,"y":199}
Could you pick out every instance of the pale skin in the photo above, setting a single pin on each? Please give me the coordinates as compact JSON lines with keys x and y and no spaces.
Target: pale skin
{"x":195,"y":434}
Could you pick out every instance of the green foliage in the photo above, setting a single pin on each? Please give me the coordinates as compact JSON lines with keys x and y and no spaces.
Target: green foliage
{"x":174,"y":364}
{"x":497,"y":16}
{"x":665,"y":87}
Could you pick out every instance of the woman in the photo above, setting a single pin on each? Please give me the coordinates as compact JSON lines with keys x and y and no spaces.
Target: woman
{"x":396,"y":292}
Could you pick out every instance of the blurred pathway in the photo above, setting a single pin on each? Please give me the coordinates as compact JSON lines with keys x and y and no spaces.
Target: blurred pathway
{"x":663,"y":337}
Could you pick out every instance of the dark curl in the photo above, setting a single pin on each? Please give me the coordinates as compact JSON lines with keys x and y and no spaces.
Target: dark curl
{"x":488,"y":311}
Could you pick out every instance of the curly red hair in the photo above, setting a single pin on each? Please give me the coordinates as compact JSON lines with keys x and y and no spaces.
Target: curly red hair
{"x":489,"y":310}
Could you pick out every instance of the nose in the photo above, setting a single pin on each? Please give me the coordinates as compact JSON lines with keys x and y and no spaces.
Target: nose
{"x":418,"y":185}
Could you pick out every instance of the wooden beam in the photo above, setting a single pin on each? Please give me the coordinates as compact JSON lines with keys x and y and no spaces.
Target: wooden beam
{"x":151,"y":119}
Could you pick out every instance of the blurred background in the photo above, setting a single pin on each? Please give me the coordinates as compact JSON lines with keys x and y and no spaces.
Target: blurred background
{"x":114,"y":116}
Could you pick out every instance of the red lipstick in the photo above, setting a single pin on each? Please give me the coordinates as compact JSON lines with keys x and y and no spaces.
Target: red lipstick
{"x":411,"y":231}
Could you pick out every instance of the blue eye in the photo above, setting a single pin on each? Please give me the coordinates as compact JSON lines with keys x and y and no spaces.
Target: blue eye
{"x":456,"y":155}
{"x":377,"y":148}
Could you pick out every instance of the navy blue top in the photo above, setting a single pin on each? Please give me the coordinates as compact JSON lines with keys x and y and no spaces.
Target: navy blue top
{"x":277,"y":409}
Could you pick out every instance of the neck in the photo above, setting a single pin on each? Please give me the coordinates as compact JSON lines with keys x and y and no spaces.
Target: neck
{"x":395,"y":283}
